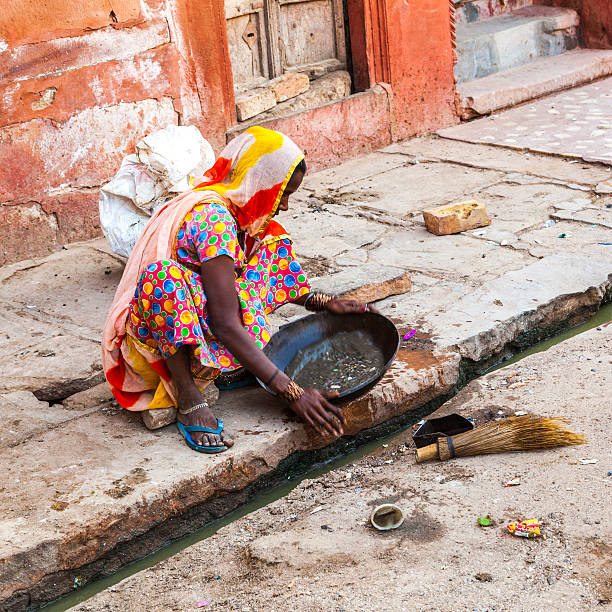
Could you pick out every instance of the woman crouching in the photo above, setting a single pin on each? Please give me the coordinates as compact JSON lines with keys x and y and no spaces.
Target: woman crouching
{"x":196,"y":292}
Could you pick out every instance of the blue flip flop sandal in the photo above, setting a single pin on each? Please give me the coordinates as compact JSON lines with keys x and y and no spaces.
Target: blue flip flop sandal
{"x":187,"y":430}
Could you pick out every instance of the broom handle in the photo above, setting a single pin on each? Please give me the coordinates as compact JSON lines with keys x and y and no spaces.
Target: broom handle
{"x":426,"y":453}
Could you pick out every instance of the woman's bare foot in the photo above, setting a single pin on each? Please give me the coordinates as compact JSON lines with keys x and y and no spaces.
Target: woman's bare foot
{"x":202,"y":418}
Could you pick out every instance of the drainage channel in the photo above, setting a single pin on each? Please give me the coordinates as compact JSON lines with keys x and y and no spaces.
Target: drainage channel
{"x":603,"y":316}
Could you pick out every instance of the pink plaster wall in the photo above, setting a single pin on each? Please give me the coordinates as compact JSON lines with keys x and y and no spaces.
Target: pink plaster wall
{"x":80,"y":83}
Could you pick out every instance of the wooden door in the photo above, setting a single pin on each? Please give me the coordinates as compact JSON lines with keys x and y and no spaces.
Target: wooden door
{"x":310,"y":36}
{"x":248,"y":42}
{"x":269,"y":37}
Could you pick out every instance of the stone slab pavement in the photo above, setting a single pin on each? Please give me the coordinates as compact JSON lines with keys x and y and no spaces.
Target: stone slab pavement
{"x":315,"y":550}
{"x":87,"y":488}
{"x":576,"y":123}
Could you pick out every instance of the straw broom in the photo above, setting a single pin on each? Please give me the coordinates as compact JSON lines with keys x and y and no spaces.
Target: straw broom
{"x":511,"y":434}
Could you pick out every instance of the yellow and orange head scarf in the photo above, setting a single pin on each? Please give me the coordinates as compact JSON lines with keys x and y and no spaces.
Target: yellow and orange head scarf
{"x":251,"y":175}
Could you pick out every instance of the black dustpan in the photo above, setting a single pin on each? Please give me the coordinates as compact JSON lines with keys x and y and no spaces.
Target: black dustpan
{"x":433,"y":429}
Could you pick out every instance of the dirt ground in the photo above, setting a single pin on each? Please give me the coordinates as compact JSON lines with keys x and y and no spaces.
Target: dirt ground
{"x":315,"y":550}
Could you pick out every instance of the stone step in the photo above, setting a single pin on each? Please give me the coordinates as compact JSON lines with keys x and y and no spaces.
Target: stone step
{"x":469,"y":11}
{"x":491,"y":45}
{"x":539,"y":78}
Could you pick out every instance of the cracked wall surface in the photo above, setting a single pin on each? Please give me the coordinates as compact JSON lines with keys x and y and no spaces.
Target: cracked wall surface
{"x":80,"y":84}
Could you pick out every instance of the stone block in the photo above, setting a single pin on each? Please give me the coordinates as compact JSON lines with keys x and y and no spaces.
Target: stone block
{"x":456,"y":218}
{"x":365,"y":283}
{"x":160,"y":417}
{"x":254,"y":102}
{"x":329,"y":88}
{"x":355,"y":125}
{"x":289,"y":85}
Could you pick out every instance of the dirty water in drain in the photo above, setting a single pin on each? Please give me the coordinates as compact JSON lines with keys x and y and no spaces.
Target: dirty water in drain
{"x":602,"y":317}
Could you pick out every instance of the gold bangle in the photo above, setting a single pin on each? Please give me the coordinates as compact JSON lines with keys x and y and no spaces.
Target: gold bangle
{"x":316,"y":302}
{"x":292,"y":393}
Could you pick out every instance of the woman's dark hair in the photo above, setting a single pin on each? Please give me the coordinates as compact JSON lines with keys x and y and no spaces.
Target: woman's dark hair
{"x":301,"y":166}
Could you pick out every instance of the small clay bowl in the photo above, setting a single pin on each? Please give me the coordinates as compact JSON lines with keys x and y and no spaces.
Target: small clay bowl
{"x":386,"y":517}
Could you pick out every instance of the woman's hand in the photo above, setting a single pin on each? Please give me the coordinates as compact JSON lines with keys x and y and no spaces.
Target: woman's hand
{"x":338,"y":306}
{"x":314,"y":408}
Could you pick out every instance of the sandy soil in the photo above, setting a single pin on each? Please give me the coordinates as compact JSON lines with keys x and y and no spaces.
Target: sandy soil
{"x":315,"y":550}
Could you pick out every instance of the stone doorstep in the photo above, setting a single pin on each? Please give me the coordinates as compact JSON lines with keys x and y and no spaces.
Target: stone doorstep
{"x":289,"y":85}
{"x":556,"y":18}
{"x":254,"y":102}
{"x":331,"y":87}
{"x":105,"y":467}
{"x":551,"y":115}
{"x":541,"y":77}
{"x":491,"y":45}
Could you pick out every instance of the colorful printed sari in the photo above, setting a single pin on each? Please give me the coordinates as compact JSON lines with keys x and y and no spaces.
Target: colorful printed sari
{"x":160,"y":304}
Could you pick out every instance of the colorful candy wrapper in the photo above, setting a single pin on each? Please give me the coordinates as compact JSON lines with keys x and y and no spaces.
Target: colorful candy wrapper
{"x":529,"y":528}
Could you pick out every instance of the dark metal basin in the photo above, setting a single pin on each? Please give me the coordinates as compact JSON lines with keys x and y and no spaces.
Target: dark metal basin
{"x":299,"y":334}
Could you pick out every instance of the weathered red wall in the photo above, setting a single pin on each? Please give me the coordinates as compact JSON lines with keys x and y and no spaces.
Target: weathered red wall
{"x":421,"y":65}
{"x":406,"y":44}
{"x":335,"y":132}
{"x":595,"y":19}
{"x":30,"y":22}
{"x":81,"y":83}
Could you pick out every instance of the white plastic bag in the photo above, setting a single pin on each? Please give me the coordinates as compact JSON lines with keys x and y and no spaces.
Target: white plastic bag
{"x":174,"y":154}
{"x":161,"y":168}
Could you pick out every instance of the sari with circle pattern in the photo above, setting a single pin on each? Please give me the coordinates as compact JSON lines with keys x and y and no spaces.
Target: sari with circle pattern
{"x":231,"y":215}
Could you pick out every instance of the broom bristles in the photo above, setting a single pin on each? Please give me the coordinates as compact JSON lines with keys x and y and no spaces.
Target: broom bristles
{"x":514,"y":434}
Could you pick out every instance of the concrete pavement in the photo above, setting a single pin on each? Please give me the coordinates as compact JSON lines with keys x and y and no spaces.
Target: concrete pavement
{"x":86,"y":488}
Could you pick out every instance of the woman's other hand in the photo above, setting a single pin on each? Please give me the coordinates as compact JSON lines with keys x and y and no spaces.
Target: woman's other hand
{"x":313,"y":406}
{"x":338,"y":306}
